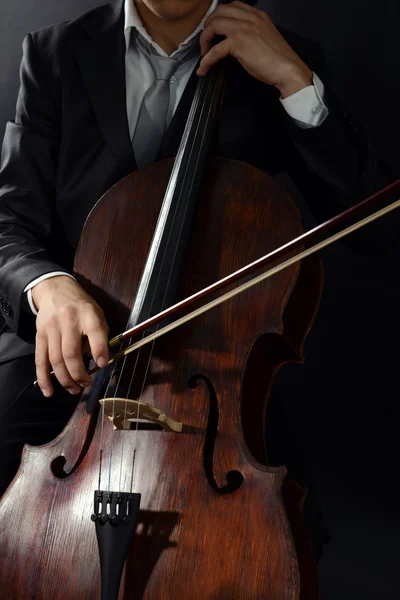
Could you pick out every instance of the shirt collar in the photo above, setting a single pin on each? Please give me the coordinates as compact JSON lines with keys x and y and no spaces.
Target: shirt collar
{"x":132,"y":20}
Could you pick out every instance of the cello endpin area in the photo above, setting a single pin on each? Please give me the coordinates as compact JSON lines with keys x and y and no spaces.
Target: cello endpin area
{"x":123,"y":413}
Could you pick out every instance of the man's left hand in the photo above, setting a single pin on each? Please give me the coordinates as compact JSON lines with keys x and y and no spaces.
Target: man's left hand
{"x":254,"y":41}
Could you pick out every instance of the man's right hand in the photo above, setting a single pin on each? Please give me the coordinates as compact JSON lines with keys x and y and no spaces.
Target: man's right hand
{"x":66,"y":314}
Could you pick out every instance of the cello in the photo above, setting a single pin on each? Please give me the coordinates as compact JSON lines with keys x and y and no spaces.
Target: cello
{"x":164,"y":459}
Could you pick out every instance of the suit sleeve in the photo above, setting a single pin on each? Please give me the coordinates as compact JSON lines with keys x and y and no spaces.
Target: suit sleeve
{"x":27,"y":190}
{"x":334,"y":166}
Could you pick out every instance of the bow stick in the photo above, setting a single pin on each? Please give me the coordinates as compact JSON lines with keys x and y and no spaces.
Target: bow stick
{"x":306,"y":238}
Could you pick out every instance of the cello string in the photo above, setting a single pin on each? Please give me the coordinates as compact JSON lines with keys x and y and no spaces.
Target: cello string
{"x":136,"y":363}
{"x":262,"y":277}
{"x":103,"y":418}
{"x":113,"y":415}
{"x":207,"y":83}
{"x":125,"y":415}
{"x":113,"y":412}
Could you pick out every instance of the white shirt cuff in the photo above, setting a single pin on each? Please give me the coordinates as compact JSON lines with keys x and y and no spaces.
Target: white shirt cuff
{"x":307,"y":107}
{"x":32,"y":284}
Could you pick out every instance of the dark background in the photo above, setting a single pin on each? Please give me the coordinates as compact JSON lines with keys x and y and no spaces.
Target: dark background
{"x":346,"y":395}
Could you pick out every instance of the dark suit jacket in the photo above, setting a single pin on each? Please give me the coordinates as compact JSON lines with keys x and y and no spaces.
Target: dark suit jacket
{"x":69,"y":143}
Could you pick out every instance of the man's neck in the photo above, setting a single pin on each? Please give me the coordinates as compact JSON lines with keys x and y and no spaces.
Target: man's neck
{"x":170,"y":33}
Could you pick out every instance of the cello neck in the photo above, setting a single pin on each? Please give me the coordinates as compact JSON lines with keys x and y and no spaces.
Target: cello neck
{"x":157,"y":288}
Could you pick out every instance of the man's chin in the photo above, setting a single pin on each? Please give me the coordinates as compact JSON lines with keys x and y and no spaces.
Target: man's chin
{"x":174,"y":10}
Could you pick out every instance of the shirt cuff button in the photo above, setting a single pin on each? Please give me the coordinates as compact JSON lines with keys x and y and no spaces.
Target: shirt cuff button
{"x":314,"y":110}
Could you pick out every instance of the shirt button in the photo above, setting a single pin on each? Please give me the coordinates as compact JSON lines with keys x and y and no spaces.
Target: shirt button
{"x":173,"y":79}
{"x":314,"y":110}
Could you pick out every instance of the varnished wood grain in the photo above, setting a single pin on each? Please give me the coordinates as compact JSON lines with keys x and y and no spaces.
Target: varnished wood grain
{"x":191,"y":541}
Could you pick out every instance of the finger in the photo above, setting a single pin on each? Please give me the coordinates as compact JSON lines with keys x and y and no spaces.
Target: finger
{"x":71,"y":346}
{"x":96,"y":330}
{"x":57,"y":362}
{"x":219,"y":26}
{"x":43,"y":365}
{"x":214,"y":55}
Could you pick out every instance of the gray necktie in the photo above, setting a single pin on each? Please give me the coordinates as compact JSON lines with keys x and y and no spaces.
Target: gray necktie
{"x":151,"y":123}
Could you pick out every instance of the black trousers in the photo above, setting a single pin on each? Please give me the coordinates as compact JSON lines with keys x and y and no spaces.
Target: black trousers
{"x":27,"y":417}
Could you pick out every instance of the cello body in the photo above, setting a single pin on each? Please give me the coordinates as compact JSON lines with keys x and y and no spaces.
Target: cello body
{"x":215,"y":522}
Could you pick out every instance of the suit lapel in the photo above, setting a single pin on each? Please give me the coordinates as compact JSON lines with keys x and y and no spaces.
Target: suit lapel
{"x":102,"y":64}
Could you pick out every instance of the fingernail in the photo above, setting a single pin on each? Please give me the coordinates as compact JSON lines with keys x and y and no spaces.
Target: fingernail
{"x":74,"y":391}
{"x":46,"y":393}
{"x":101,"y":362}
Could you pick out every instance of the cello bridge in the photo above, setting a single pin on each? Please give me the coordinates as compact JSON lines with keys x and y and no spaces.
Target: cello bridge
{"x":123,"y":413}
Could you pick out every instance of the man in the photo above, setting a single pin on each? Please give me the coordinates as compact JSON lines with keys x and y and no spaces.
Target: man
{"x":86,"y":88}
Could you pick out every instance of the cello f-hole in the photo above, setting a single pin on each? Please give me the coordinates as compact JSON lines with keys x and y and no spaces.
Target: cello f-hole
{"x":234,"y":479}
